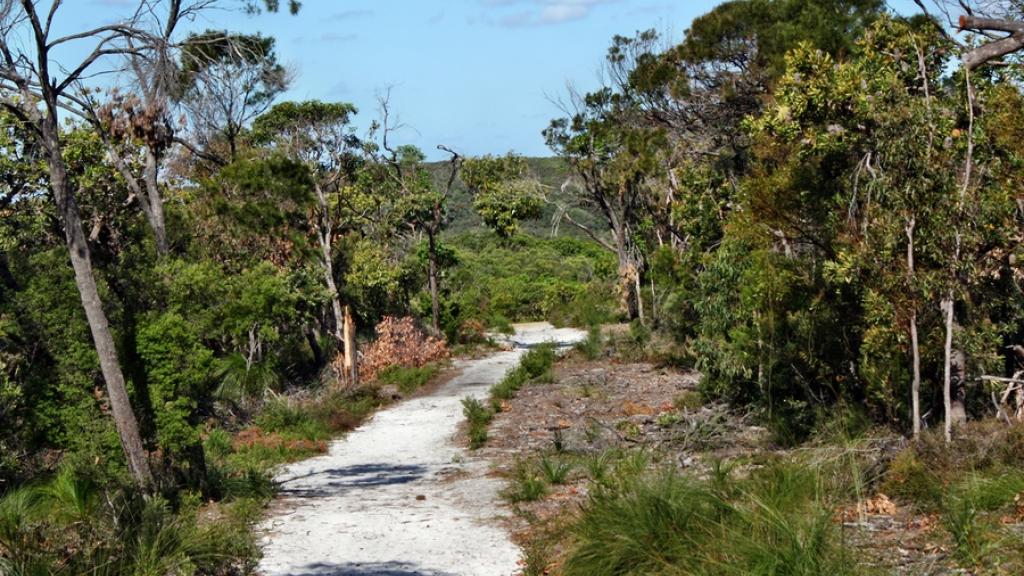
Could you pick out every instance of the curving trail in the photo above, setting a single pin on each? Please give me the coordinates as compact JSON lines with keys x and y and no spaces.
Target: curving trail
{"x":396,"y":496}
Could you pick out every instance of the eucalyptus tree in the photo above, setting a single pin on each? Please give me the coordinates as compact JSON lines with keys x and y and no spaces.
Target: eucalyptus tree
{"x":319,"y":135}
{"x":997,"y":28}
{"x":503,"y":191}
{"x":226,"y":81}
{"x":38,"y":90}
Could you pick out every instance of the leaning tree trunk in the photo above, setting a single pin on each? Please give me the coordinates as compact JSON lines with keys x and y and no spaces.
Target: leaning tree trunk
{"x":120,"y":405}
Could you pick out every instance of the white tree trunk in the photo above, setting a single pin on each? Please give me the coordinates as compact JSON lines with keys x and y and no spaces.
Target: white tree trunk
{"x":947,"y":401}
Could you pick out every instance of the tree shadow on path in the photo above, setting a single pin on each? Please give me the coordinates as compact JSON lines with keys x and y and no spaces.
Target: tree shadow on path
{"x":367,"y":569}
{"x":338,"y":480}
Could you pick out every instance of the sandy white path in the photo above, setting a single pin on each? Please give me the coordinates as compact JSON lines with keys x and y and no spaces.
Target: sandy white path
{"x":397,"y":497}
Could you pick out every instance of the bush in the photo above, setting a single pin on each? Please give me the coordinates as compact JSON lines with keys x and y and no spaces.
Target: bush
{"x":408,"y":379}
{"x":69,"y":526}
{"x":592,"y":347}
{"x":538,"y":360}
{"x":478,"y":417}
{"x":525,"y":484}
{"x":555,"y":470}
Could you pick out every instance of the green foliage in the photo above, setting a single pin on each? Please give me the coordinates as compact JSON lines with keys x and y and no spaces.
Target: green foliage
{"x":777,"y":26}
{"x":526,"y":484}
{"x":178,"y":371}
{"x":68,"y":524}
{"x":502,"y":193}
{"x":662,"y":522}
{"x":478,"y":417}
{"x":591,"y":347}
{"x":408,"y":379}
{"x":563,"y":280}
{"x":555,"y":470}
{"x":538,"y":360}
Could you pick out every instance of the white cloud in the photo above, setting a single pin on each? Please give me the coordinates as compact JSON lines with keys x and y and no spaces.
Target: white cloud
{"x":540,"y":12}
{"x":563,"y":12}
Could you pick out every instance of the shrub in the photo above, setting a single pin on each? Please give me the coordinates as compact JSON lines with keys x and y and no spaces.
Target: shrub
{"x":408,"y":378}
{"x":400,"y":342}
{"x":478,"y":417}
{"x":662,"y":522}
{"x":555,"y":470}
{"x":538,"y":360}
{"x":592,"y":347}
{"x":525,"y":484}
{"x":972,"y":536}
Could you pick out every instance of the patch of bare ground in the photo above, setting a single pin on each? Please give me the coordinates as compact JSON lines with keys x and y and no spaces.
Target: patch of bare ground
{"x":594,"y":408}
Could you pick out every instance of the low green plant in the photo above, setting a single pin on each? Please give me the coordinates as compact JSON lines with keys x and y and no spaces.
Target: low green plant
{"x":555,"y":470}
{"x":973,"y":536}
{"x":668,"y":419}
{"x":69,"y":525}
{"x":593,"y":346}
{"x":538,"y":360}
{"x":598,"y":465}
{"x":408,"y":379}
{"x":478,"y":417}
{"x":990,"y":491}
{"x":688,"y":400}
{"x":525,"y":484}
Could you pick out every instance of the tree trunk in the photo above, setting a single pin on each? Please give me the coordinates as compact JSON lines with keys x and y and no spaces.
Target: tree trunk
{"x":627,"y":287}
{"x":314,"y":347}
{"x":435,"y":303}
{"x":629,"y":273}
{"x":915,"y":389}
{"x":351,"y":360}
{"x":154,"y":205}
{"x":325,"y":234}
{"x":639,"y":299}
{"x":147,"y":194}
{"x":947,"y":307}
{"x":120,"y":405}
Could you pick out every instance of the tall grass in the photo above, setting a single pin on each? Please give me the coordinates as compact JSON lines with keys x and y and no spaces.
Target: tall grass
{"x":662,"y":522}
{"x":67,"y":525}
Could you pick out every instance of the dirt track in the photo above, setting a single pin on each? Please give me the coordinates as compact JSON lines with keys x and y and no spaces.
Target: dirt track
{"x":397,"y":496}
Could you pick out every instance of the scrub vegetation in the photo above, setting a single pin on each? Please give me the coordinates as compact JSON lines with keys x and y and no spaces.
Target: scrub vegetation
{"x":799,"y":231}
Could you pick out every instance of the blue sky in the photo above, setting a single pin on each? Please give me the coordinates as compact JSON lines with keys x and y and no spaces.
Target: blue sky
{"x":475,"y":75}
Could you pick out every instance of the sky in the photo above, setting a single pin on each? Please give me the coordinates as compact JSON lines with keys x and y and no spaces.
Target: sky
{"x":478,"y":76}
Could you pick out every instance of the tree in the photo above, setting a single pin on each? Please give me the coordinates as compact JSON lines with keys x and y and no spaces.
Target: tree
{"x":503,"y":193}
{"x":227,"y":80}
{"x":615,"y":159}
{"x":999,"y":23}
{"x":318,"y":135}
{"x":38,"y":91}
{"x":28,"y":79}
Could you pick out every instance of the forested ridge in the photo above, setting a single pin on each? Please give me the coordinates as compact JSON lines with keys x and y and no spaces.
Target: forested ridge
{"x":818,"y":205}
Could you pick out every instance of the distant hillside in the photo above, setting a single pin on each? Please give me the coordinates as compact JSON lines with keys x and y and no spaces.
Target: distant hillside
{"x":552,"y":173}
